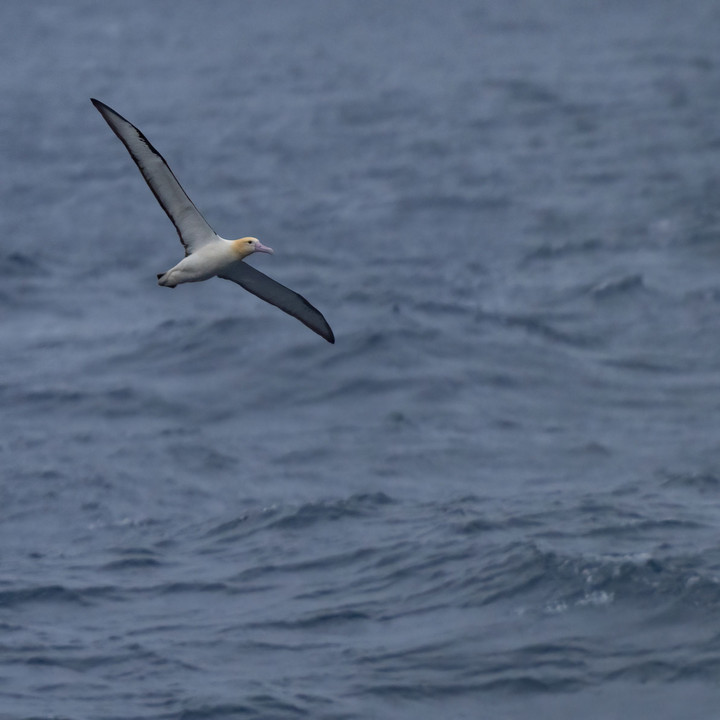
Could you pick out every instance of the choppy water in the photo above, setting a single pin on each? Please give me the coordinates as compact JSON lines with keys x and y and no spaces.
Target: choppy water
{"x":498,"y":495}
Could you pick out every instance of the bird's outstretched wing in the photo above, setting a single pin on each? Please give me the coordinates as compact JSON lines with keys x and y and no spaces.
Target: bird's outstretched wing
{"x":191,"y":226}
{"x":278,"y":295}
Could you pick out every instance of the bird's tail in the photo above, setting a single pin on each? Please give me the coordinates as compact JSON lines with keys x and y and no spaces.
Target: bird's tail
{"x":162,"y":279}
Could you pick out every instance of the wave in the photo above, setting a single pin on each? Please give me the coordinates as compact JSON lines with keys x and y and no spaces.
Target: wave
{"x":298,"y":518}
{"x":618,"y":286}
{"x":53,"y":594}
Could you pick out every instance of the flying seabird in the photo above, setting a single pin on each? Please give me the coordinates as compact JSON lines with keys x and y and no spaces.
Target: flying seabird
{"x":206,"y":253}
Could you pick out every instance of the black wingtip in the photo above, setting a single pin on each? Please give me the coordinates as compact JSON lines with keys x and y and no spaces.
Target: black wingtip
{"x":104,"y":109}
{"x":101,"y":107}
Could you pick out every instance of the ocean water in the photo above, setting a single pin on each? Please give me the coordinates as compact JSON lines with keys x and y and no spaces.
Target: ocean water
{"x":498,"y":494}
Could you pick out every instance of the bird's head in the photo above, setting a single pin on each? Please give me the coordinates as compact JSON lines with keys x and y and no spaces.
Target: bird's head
{"x":249,"y":245}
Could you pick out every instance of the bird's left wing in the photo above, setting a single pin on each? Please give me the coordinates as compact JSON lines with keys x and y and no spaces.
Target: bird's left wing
{"x":278,"y":295}
{"x":191,"y":226}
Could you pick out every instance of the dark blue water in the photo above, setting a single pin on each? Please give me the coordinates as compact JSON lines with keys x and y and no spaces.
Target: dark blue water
{"x":498,"y":495}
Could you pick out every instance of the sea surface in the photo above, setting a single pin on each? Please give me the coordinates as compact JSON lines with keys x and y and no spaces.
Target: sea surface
{"x":496,"y":496}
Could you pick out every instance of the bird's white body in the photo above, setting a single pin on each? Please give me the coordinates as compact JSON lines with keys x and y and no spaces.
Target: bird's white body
{"x":211,"y":259}
{"x":206,"y":253}
{"x":201,"y":265}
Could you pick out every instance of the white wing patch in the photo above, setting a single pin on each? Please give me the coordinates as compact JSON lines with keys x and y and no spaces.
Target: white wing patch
{"x":191,"y":226}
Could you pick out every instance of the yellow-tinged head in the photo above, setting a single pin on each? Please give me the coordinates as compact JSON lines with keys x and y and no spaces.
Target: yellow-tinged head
{"x":249,"y":245}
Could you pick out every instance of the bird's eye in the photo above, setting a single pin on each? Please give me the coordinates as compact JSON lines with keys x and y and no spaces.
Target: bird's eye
{"x":249,"y":242}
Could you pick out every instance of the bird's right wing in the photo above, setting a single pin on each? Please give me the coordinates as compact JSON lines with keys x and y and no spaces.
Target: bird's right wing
{"x":191,"y":226}
{"x":278,"y":295}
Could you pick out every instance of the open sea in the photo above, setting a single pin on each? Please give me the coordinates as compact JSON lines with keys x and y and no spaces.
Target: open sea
{"x":497,"y":496}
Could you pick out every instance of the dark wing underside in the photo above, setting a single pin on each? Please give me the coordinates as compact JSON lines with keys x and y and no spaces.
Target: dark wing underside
{"x":191,"y":226}
{"x":278,"y":295}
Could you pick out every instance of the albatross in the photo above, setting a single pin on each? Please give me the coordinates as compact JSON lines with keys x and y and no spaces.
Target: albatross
{"x":206,"y":253}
